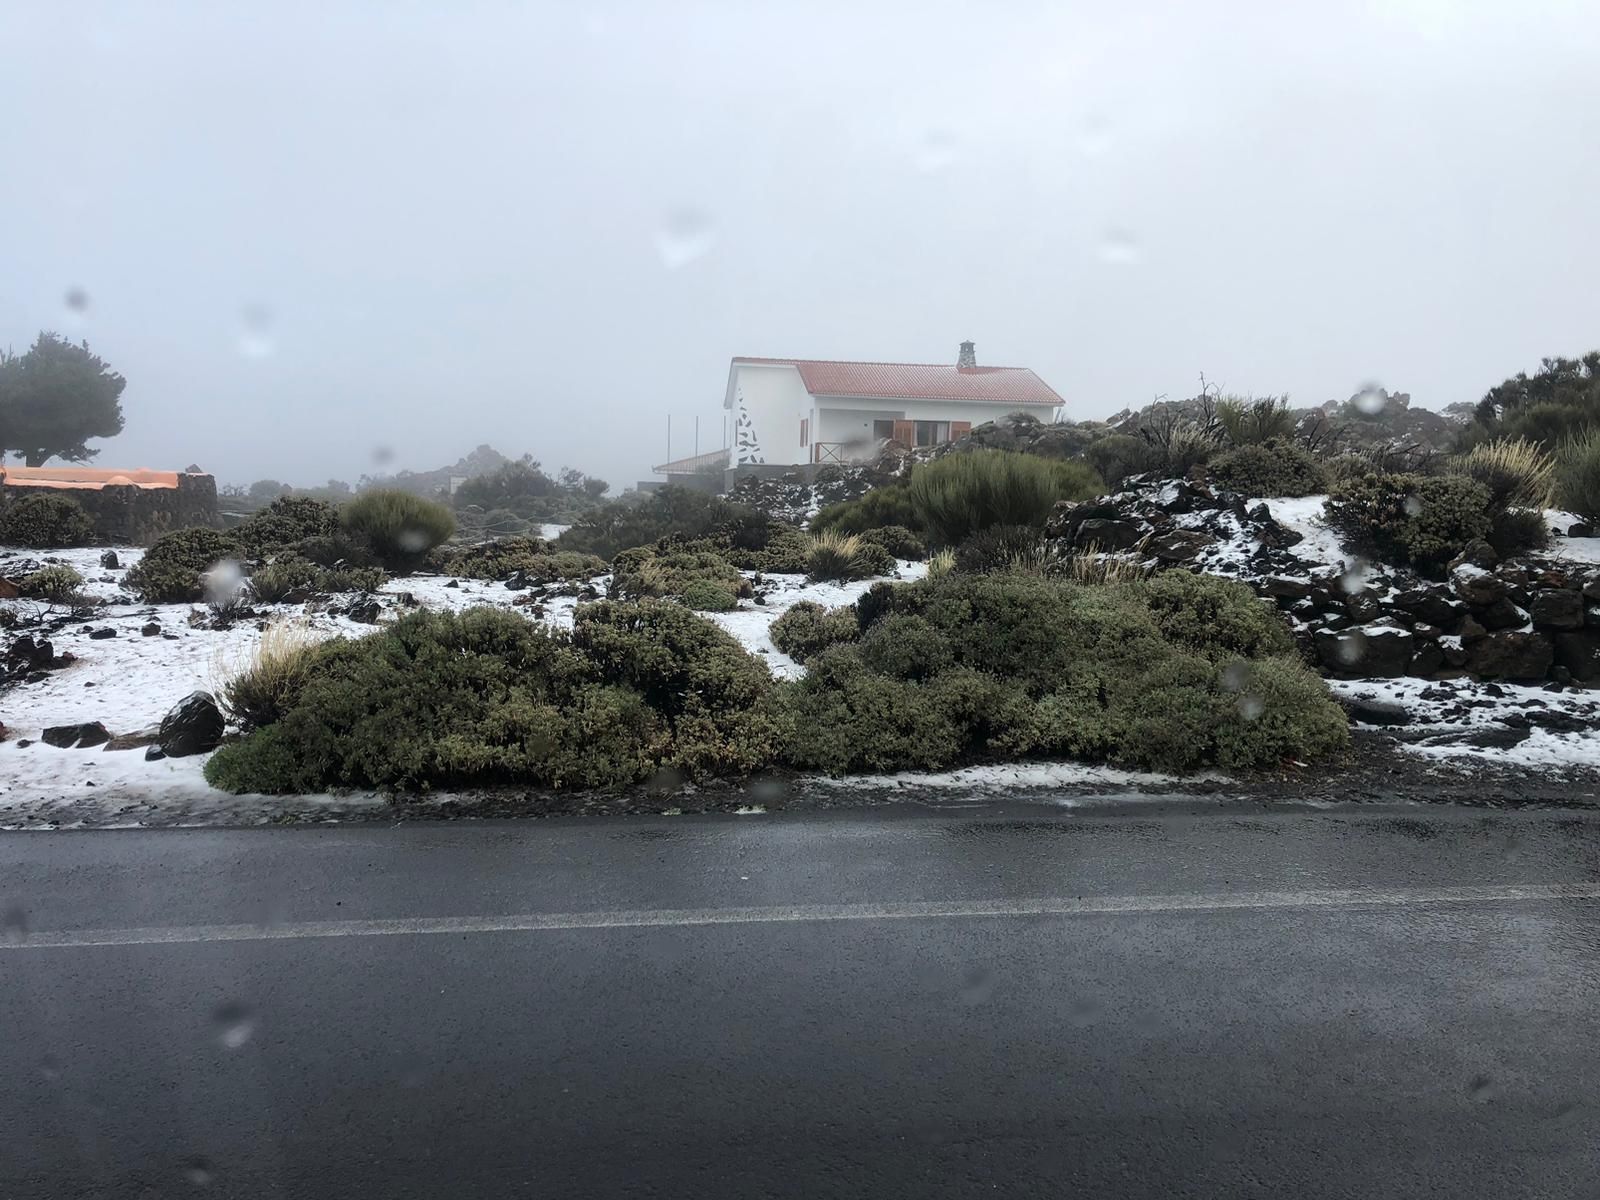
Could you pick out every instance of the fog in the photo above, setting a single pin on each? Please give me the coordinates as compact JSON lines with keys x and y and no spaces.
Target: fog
{"x":312,"y":235}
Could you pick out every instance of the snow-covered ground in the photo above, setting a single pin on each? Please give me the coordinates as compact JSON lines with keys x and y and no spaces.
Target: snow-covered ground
{"x":129,"y":681}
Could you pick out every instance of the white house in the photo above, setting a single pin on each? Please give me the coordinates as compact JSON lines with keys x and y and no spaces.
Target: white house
{"x":798,"y":410}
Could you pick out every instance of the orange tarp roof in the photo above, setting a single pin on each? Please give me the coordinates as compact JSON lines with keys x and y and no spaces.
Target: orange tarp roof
{"x":86,"y":477}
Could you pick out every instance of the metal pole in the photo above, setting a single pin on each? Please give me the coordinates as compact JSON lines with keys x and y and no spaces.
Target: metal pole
{"x":697,"y":435}
{"x":669,"y":437}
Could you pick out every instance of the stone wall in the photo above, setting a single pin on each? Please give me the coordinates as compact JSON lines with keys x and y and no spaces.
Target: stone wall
{"x":126,"y":514}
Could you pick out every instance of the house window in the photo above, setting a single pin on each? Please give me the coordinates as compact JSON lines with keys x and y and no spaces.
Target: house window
{"x":805,"y":431}
{"x":931,"y":433}
{"x":883,"y":429}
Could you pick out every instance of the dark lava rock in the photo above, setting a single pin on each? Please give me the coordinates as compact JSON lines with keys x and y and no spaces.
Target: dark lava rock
{"x":192,"y":726}
{"x":26,"y":655}
{"x":454,"y":583}
{"x":108,"y":560}
{"x":1376,"y":712}
{"x":1427,"y":604}
{"x":1475,"y":584}
{"x":153,"y":752}
{"x":1510,"y":655}
{"x":1371,"y":651}
{"x":1178,"y":545}
{"x":1553,"y":609}
{"x":365,"y":611}
{"x":1501,"y":614}
{"x":90,"y":733}
{"x":150,"y":628}
{"x":100,"y":635}
{"x":1107,"y":534}
{"x":1428,"y":659}
{"x":1579,"y":653}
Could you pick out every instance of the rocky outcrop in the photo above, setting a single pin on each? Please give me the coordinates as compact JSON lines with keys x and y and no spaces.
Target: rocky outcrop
{"x":192,"y":726}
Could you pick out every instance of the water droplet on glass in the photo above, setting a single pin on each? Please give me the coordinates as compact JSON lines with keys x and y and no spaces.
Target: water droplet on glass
{"x":198,"y":1171}
{"x":1235,"y":676}
{"x":1118,"y":246}
{"x":1481,"y":1089}
{"x":936,"y":150}
{"x":1354,"y":579}
{"x":235,"y":1025}
{"x":1371,"y":399}
{"x":1094,"y":139}
{"x":1352,"y":647}
{"x":13,"y":923}
{"x":382,"y":455}
{"x":76,"y":300}
{"x":978,"y":987}
{"x":255,"y":331}
{"x":1251,"y":707}
{"x":412,"y":541}
{"x":1413,"y":506}
{"x":685,"y":235}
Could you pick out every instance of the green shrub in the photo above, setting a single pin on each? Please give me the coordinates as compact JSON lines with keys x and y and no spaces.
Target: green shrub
{"x":1517,"y":530}
{"x":890,"y":505}
{"x":808,"y":628}
{"x":1215,"y":617}
{"x":58,"y":584}
{"x":285,"y":522}
{"x":400,"y":527}
{"x":690,"y":575}
{"x":497,"y":559}
{"x":485,"y":697}
{"x":963,"y":493}
{"x":337,"y":549}
{"x":897,"y":540}
{"x":1254,"y":422}
{"x":275,"y":580}
{"x":666,"y":512}
{"x":1418,"y":519}
{"x":169,"y":572}
{"x":1118,"y":455}
{"x":837,"y":556}
{"x":1013,"y":665}
{"x":1578,"y":475}
{"x":1000,"y":548}
{"x":45,"y":522}
{"x":1272,"y":468}
{"x":1516,"y":472}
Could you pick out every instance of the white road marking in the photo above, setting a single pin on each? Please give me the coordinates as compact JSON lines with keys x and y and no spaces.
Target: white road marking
{"x":1065,"y":906}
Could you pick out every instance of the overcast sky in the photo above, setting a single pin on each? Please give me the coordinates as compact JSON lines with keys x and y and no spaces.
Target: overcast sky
{"x":309,"y":235}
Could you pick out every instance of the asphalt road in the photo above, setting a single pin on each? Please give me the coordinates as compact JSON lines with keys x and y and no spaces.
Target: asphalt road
{"x":1157,"y":1003}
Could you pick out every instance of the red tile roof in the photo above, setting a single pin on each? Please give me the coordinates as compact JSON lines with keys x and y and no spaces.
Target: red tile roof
{"x":918,"y":381}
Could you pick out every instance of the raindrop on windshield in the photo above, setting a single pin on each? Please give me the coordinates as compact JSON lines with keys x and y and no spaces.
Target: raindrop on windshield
{"x":1413,"y":506}
{"x":1371,"y":399}
{"x":76,"y":300}
{"x":936,"y":150}
{"x":235,"y":1025}
{"x":685,"y":235}
{"x":1118,"y":246}
{"x":1235,"y":676}
{"x":13,"y":923}
{"x":198,"y":1171}
{"x":413,"y":541}
{"x":1251,"y":707}
{"x":255,"y":331}
{"x":1352,"y":646}
{"x":382,"y":455}
{"x":1354,"y":579}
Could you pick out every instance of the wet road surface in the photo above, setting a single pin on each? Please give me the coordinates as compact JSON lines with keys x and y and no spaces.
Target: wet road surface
{"x":1149,"y":1003}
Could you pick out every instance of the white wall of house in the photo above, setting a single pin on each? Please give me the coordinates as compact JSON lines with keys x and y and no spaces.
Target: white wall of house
{"x":777,"y":402}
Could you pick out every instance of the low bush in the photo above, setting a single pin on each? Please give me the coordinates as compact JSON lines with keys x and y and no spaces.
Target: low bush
{"x":1118,"y":455}
{"x":838,"y":556}
{"x":1256,"y":422}
{"x":259,"y":690}
{"x":1419,"y":519}
{"x":1577,"y":476}
{"x":783,"y":549}
{"x":967,"y":667}
{"x":897,"y":540}
{"x":171,"y":569}
{"x":808,"y":628}
{"x":1517,"y":530}
{"x":57,"y":584}
{"x":497,"y":559}
{"x":45,"y":523}
{"x":963,"y":493}
{"x":890,"y":505}
{"x":669,"y":511}
{"x":273,"y":581}
{"x":486,"y":697}
{"x":1271,"y":468}
{"x":1000,"y":548}
{"x":1515,"y":472}
{"x":285,"y":522}
{"x":337,"y":549}
{"x":400,"y":527}
{"x":700,"y":578}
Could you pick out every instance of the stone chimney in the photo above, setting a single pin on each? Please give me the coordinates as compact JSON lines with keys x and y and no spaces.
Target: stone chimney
{"x":968,"y":356}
